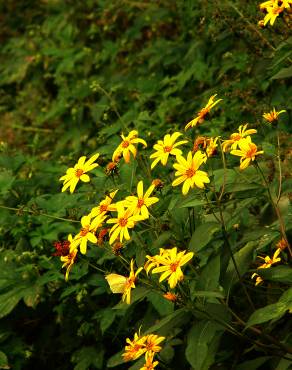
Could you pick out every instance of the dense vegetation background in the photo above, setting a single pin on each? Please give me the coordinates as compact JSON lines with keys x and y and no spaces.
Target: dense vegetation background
{"x":73,"y":75}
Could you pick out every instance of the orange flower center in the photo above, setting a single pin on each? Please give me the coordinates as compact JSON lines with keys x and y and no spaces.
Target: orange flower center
{"x":252,"y":151}
{"x":84,"y":230}
{"x":203,"y":112}
{"x":79,"y":172}
{"x":125,"y":144}
{"x":190,"y":172}
{"x":235,"y":137}
{"x":174,"y":266}
{"x":103,"y":208}
{"x":123,"y":221}
{"x":277,"y":11}
{"x":140,"y":202}
{"x":167,"y":149}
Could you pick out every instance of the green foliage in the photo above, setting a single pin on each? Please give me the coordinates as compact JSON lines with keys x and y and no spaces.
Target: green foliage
{"x":73,"y":77}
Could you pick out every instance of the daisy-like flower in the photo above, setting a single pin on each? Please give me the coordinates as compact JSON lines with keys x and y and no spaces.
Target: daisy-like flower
{"x":78,"y":172}
{"x":127,"y":147}
{"x":189,"y":173}
{"x":69,"y":259}
{"x":153,"y":261}
{"x":273,"y":115}
{"x":248,"y":152}
{"x":149,"y":364}
{"x":152,"y":343}
{"x":104,"y":206}
{"x":125,"y":220}
{"x":134,"y":348}
{"x":269,"y":262}
{"x":236,"y":137}
{"x":122,"y":284}
{"x":165,"y":148}
{"x":201,"y":115}
{"x":272,"y":13}
{"x":139,"y":205}
{"x":87,"y":233}
{"x":170,"y":265}
{"x":212,"y":146}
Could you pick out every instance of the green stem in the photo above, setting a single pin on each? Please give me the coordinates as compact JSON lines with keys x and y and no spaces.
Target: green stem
{"x":276,"y":208}
{"x":20,"y":210}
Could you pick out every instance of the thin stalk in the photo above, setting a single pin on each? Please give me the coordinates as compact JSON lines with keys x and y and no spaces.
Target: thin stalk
{"x":225,"y":235}
{"x":113,"y":104}
{"x":280,"y":170}
{"x":20,"y":210}
{"x":276,"y":208}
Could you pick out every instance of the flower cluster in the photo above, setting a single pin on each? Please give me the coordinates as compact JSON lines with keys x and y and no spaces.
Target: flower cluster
{"x":140,"y":345}
{"x":273,"y":9}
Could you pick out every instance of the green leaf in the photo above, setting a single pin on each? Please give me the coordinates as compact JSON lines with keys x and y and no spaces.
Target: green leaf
{"x":243,"y":259}
{"x":107,"y":318}
{"x":273,"y":311}
{"x":283,"y":73}
{"x":3,"y":361}
{"x":116,"y":360}
{"x":282,"y":274}
{"x":207,"y":294}
{"x":253,"y":364}
{"x":203,"y":235}
{"x":162,"y":305}
{"x":165,"y":325}
{"x":202,"y":343}
{"x":209,"y":279}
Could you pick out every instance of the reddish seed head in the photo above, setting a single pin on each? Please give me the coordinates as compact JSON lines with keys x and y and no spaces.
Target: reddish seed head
{"x":125,"y":144}
{"x":62,"y":248}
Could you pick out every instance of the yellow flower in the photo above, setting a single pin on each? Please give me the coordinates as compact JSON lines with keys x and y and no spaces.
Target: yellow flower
{"x":105,"y":205}
{"x":152,"y":343}
{"x":78,"y":172}
{"x":259,"y":279}
{"x":87,"y":233}
{"x":248,"y":152}
{"x":170,"y":265}
{"x":122,"y":284}
{"x":127,"y":146}
{"x":69,"y":259}
{"x":139,"y":205}
{"x":270,"y":261}
{"x":201,"y":115}
{"x":187,"y":170}
{"x":153,"y":261}
{"x":266,"y":4}
{"x":134,"y":348}
{"x":166,"y":147}
{"x":212,"y":146}
{"x":273,"y":115}
{"x":123,"y":222}
{"x":272,"y":13}
{"x":149,"y":364}
{"x":236,"y":137}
